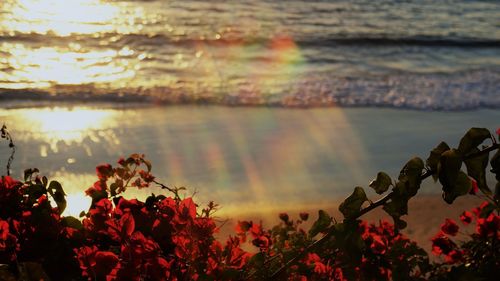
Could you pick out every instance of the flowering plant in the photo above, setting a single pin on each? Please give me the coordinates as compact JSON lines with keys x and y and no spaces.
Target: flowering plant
{"x":172,"y":238}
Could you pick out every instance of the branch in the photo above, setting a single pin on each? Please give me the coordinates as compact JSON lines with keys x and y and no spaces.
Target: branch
{"x":367,"y":209}
{"x":6,"y":135}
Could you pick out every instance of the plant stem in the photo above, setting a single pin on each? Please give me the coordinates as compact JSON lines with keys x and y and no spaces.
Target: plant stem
{"x":369,"y":208}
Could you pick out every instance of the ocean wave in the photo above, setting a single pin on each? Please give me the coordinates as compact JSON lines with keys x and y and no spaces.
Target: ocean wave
{"x":459,"y":91}
{"x":331,"y":40}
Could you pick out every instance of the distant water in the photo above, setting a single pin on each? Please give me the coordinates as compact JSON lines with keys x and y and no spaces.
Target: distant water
{"x":429,"y":55}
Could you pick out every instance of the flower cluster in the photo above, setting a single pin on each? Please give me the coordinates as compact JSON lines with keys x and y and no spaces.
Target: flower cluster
{"x":163,"y":238}
{"x":480,"y":250}
{"x":172,"y":238}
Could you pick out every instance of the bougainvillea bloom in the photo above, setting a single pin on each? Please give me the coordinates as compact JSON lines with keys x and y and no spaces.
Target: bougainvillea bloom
{"x":304,"y":216}
{"x":475,"y":188}
{"x":104,"y":171}
{"x":441,"y":244}
{"x":449,"y":227}
{"x":489,"y":226}
{"x":466,"y":217}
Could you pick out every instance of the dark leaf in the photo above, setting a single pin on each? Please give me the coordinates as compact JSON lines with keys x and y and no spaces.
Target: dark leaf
{"x":72,"y":222}
{"x":435,"y":155}
{"x":28,"y":173}
{"x":231,"y":274}
{"x":495,"y":164}
{"x":476,"y":168}
{"x":321,"y":224}
{"x":448,"y":168}
{"x":381,"y":183}
{"x":473,"y":138}
{"x":112,"y":189}
{"x":56,"y":191}
{"x":34,"y":191}
{"x":397,"y":206}
{"x":461,"y":187}
{"x":352,"y":204}
{"x":257,"y":260}
{"x":411,"y":175}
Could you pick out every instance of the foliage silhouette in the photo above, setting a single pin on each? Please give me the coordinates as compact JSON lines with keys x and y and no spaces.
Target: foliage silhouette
{"x":171,"y":238}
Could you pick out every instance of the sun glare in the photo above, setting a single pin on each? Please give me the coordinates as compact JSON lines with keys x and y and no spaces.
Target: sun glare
{"x":62,"y":17}
{"x":48,"y":65}
{"x":62,"y":124}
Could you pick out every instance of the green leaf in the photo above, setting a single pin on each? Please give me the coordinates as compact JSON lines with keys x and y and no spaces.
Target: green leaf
{"x":411,"y":175}
{"x":397,"y":206}
{"x":448,"y":168}
{"x":381,"y":183}
{"x":352,"y":204}
{"x":72,"y":222}
{"x":476,"y":168}
{"x":56,"y":191}
{"x":461,"y":187}
{"x":473,"y":138}
{"x":435,"y":155}
{"x":321,"y":224}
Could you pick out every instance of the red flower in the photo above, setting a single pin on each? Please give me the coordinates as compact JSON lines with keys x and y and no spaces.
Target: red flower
{"x":7,"y":182}
{"x":121,"y":161}
{"x":105,"y":262}
{"x":454,"y":256}
{"x":104,"y":171}
{"x":477,"y":211}
{"x":121,"y":229}
{"x":243,"y":226}
{"x":284,"y":217}
{"x":441,"y":244}
{"x":489,"y":226}
{"x":378,"y":246}
{"x":146,"y":176}
{"x":187,"y":210}
{"x":86,"y":259}
{"x":8,"y":243}
{"x":449,"y":227}
{"x":475,"y":189}
{"x":304,"y":216}
{"x":466,"y":217}
{"x":338,"y":275}
{"x":498,"y":131}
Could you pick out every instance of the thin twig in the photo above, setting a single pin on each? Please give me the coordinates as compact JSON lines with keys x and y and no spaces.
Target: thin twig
{"x":367,"y":209}
{"x":6,"y":135}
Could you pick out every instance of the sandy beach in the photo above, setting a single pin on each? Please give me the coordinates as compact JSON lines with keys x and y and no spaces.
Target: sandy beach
{"x":426,"y":213}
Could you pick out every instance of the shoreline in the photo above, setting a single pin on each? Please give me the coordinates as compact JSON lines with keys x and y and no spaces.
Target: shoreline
{"x":120,"y":104}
